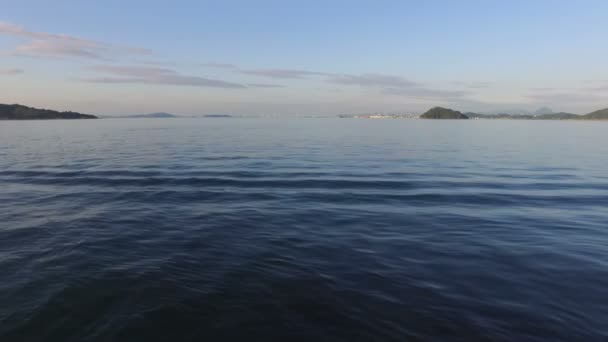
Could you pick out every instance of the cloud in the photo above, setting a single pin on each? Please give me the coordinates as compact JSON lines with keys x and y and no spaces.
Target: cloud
{"x":425,"y":93}
{"x":595,"y":81}
{"x":264,"y":85}
{"x":563,"y":97}
{"x":221,"y":65}
{"x":542,"y":89}
{"x":11,"y":72}
{"x":599,"y":87}
{"x":395,"y":85}
{"x":43,"y":44}
{"x":389,"y":84}
{"x":596,"y":85}
{"x":373,"y":80}
{"x":283,"y":73}
{"x":472,"y":85}
{"x":37,"y":48}
{"x":480,"y":85}
{"x":151,"y":75}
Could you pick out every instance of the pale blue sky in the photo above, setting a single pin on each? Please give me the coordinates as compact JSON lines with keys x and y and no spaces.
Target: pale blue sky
{"x":303,"y":57}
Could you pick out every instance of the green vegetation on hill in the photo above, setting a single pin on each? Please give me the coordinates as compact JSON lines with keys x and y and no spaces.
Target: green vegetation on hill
{"x":499,"y":116}
{"x":601,"y":114}
{"x":557,"y":116}
{"x":505,"y":116}
{"x":19,"y":112}
{"x":443,"y":113}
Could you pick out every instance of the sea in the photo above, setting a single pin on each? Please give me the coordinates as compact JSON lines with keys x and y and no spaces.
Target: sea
{"x":303,"y":229}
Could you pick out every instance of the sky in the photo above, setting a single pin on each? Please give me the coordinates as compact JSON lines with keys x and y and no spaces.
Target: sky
{"x":313,"y":57}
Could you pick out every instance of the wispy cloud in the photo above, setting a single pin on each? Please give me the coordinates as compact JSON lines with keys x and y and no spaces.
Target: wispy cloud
{"x":396,"y":85}
{"x":598,"y":86}
{"x":603,"y":88}
{"x":472,"y":85}
{"x":151,"y":75}
{"x":44,"y":44}
{"x":425,"y":93}
{"x":564,"y":97}
{"x":283,"y":73}
{"x":594,"y":81}
{"x":268,"y":73}
{"x":221,"y":65}
{"x":480,"y":85}
{"x":388,"y":84}
{"x":11,"y":72}
{"x":373,"y":80}
{"x":549,"y":89}
{"x":264,"y":85}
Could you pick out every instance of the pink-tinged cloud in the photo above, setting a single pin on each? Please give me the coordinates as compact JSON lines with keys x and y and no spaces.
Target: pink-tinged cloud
{"x":43,"y":44}
{"x":151,"y":75}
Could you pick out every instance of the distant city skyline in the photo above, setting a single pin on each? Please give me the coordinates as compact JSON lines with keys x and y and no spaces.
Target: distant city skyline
{"x":304,"y":57}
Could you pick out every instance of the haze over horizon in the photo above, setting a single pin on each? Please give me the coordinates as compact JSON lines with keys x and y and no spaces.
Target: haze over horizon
{"x":303,"y":57}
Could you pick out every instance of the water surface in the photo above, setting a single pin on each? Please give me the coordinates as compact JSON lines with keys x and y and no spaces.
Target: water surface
{"x":303,"y":229}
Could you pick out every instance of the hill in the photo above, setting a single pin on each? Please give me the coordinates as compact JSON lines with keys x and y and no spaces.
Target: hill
{"x":558,"y":116}
{"x":19,"y":112}
{"x":160,"y":115}
{"x":601,"y":114}
{"x":443,"y":113}
{"x":506,"y":116}
{"x":217,"y":116}
{"x":543,"y":111}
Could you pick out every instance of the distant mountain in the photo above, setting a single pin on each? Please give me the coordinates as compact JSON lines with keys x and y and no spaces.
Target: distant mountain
{"x":443,"y":113}
{"x":601,"y":114}
{"x":19,"y":112}
{"x":506,"y":116}
{"x":514,"y":111}
{"x":558,"y":116}
{"x":543,"y":111}
{"x":217,"y":116}
{"x":160,"y":115}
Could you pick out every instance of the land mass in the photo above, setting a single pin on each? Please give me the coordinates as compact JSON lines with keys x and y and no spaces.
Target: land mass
{"x":19,"y":112}
{"x":446,"y":113}
{"x":163,"y":115}
{"x":601,"y":114}
{"x":160,"y":115}
{"x":506,"y":116}
{"x":443,"y":113}
{"x":217,"y":116}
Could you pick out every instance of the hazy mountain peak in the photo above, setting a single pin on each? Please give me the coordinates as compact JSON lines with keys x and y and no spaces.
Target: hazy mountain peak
{"x":543,"y":111}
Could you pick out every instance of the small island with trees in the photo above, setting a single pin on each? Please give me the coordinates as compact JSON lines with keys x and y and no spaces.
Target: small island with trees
{"x":443,"y":113}
{"x":449,"y":114}
{"x":19,"y":112}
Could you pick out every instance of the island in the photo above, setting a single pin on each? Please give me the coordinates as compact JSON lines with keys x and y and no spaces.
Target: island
{"x":444,"y":114}
{"x":159,"y":115}
{"x":506,"y":116}
{"x":543,"y":113}
{"x":601,"y":114}
{"x":217,"y":116}
{"x":597,"y":115}
{"x":19,"y":112}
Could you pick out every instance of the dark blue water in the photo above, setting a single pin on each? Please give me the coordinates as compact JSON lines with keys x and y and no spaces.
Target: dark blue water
{"x":303,"y":229}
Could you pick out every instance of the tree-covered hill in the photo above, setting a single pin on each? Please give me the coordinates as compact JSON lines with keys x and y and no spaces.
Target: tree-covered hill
{"x":19,"y":112}
{"x":443,"y":113}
